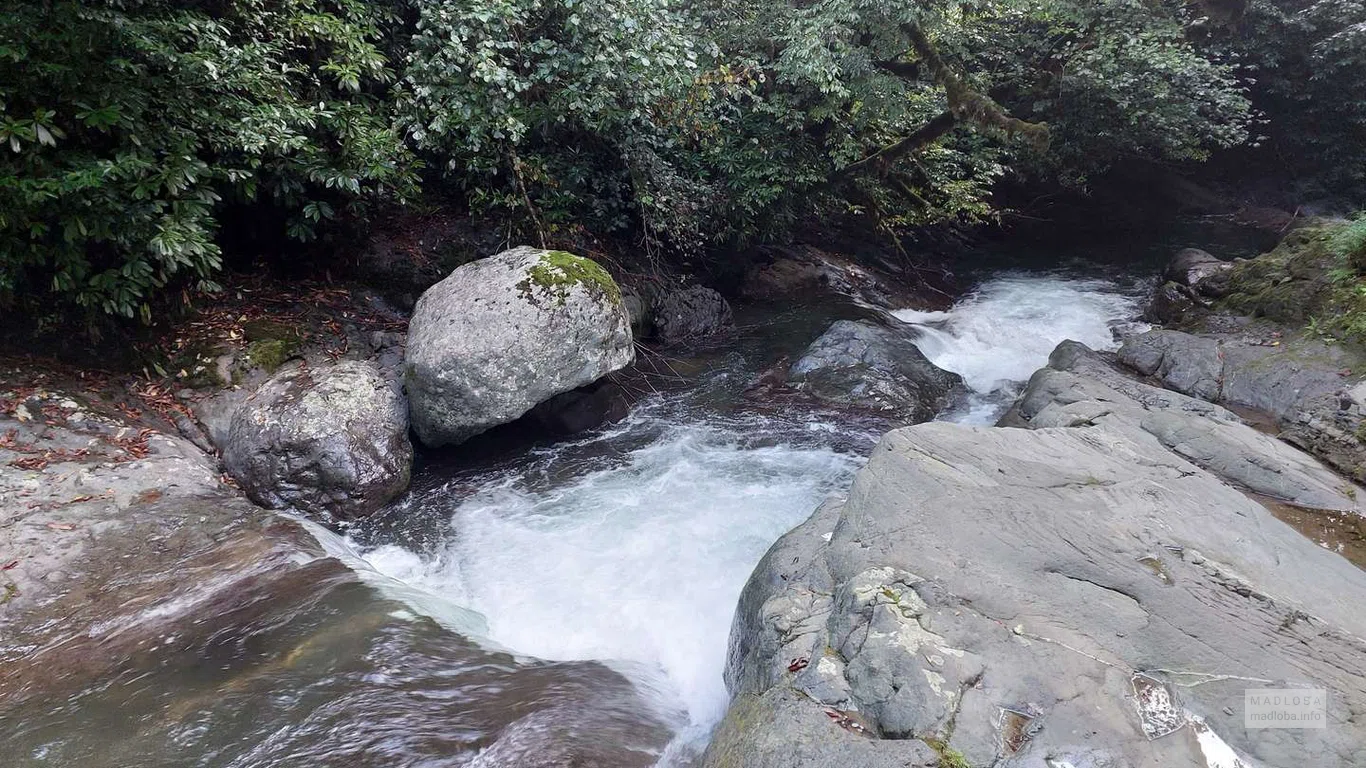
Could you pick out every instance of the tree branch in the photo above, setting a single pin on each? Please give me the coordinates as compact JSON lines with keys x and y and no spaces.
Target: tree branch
{"x":968,"y":105}
{"x":906,"y":70}
{"x":881,"y":159}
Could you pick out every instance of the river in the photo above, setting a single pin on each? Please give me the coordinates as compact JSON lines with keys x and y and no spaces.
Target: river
{"x":539,"y":603}
{"x":630,"y":546}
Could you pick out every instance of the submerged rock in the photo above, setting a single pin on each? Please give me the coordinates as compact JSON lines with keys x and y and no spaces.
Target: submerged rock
{"x":502,"y":334}
{"x":862,"y":365}
{"x":1086,"y":592}
{"x":329,"y":441}
{"x":688,"y":314}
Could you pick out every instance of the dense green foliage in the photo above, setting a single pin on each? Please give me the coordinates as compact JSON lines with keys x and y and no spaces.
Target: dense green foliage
{"x":126,"y":124}
{"x":128,"y":127}
{"x":722,"y":122}
{"x":1306,"y":63}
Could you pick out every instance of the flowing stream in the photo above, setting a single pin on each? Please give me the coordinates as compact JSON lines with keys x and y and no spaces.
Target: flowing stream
{"x":542,"y":603}
{"x":630,"y":547}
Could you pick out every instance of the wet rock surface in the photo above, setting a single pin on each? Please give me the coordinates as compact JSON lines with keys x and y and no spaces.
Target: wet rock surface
{"x":1086,"y":590}
{"x":502,"y":334}
{"x":871,"y":367}
{"x":690,"y":314}
{"x":330,"y":441}
{"x":116,"y":537}
{"x":70,"y":472}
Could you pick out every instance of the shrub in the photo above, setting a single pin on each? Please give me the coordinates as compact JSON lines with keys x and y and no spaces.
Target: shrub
{"x":127,"y":125}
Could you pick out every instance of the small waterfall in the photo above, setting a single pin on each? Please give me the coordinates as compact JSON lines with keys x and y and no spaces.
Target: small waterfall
{"x":997,"y":336}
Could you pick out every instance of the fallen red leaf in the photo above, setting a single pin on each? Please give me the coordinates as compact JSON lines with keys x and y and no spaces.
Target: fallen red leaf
{"x":10,"y":565}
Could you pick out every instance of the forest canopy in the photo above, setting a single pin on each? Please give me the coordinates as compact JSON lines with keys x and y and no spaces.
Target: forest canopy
{"x":131,"y":129}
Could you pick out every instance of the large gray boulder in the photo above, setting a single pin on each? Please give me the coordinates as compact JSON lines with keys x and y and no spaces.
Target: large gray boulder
{"x":862,"y":365}
{"x":502,"y":334}
{"x":1078,"y":595}
{"x":330,"y":441}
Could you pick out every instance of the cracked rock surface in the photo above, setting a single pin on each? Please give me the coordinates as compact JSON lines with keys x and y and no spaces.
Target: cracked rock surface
{"x":1316,"y":392}
{"x":1087,"y":591}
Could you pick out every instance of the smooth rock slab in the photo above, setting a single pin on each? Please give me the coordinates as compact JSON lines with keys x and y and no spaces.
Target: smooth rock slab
{"x":502,"y":334}
{"x":329,"y":441}
{"x":978,"y":572}
{"x":1078,"y":388}
{"x":1315,"y":391}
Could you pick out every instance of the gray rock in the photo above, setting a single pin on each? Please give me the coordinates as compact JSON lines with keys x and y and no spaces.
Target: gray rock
{"x":190,"y":430}
{"x":1304,"y":385}
{"x":1079,"y":389}
{"x":1189,"y":364}
{"x":501,"y":334}
{"x":1200,"y":271}
{"x":690,"y":313}
{"x":1007,"y":591}
{"x":1171,"y":304}
{"x":781,"y":728}
{"x":862,"y":365}
{"x":329,"y":441}
{"x":637,"y":302}
{"x":215,"y":413}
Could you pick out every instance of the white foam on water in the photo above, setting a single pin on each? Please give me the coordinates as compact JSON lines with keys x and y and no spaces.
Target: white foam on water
{"x":639,"y":564}
{"x":1001,"y":333}
{"x":639,"y":561}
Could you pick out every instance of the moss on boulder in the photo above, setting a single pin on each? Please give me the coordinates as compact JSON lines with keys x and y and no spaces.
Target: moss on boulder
{"x":1314,"y":276}
{"x":270,"y":344}
{"x":558,"y":271}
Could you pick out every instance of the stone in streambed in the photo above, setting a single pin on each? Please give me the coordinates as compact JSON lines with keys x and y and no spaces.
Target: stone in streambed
{"x":867,"y":366}
{"x":688,"y":314}
{"x":503,"y":334}
{"x":329,"y":440}
{"x":1201,"y":271}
